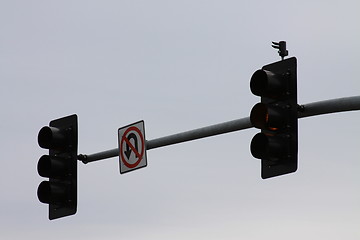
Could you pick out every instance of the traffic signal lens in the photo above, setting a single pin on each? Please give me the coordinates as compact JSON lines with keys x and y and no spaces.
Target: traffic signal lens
{"x":51,"y":137}
{"x":44,"y":166}
{"x":50,"y":166}
{"x":266,"y":83}
{"x":52,"y":192}
{"x":258,"y":82}
{"x":44,"y":192}
{"x":259,"y":116}
{"x":258,"y":146}
{"x":263,"y":116}
{"x":266,"y":146}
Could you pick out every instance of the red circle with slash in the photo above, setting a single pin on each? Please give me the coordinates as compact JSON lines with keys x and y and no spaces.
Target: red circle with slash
{"x":139,"y":155}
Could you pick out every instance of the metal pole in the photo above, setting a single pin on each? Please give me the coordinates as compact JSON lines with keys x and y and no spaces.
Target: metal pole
{"x":307,"y":110}
{"x":209,"y":131}
{"x":212,"y":130}
{"x":330,"y":106}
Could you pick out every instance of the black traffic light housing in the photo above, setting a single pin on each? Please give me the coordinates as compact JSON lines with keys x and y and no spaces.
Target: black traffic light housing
{"x":276,"y":116}
{"x":60,"y":166}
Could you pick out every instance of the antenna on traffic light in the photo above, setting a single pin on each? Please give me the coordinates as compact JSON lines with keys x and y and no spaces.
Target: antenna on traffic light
{"x":283,"y":52}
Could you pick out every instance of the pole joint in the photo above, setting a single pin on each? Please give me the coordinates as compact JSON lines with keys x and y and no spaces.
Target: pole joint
{"x":83,"y":158}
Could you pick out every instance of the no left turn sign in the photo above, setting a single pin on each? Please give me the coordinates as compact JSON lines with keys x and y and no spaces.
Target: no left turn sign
{"x":132,"y":149}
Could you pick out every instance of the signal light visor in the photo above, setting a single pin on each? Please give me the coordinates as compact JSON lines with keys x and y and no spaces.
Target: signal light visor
{"x":263,"y":116}
{"x":266,"y":83}
{"x":267,"y":147}
{"x":51,"y":138}
{"x":51,"y":192}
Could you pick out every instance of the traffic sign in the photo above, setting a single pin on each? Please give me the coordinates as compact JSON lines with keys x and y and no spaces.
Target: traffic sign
{"x":132,"y":149}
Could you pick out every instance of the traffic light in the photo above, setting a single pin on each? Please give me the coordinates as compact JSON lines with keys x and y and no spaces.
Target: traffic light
{"x":60,"y":166}
{"x":276,"y":116}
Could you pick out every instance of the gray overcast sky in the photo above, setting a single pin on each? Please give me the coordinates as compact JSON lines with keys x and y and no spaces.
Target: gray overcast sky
{"x":178,"y":65}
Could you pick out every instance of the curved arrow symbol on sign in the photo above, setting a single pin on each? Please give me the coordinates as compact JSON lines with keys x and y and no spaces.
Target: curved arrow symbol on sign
{"x":128,"y":149}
